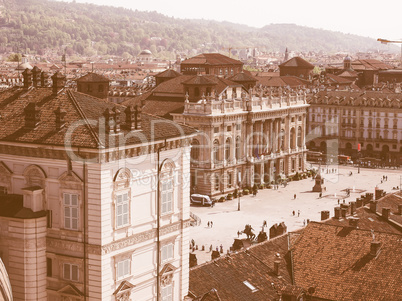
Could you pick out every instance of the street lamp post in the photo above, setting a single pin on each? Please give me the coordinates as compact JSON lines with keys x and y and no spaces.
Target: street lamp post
{"x":385,"y":41}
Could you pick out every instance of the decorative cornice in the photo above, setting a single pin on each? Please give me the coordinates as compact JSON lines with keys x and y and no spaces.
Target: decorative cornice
{"x":143,"y":236}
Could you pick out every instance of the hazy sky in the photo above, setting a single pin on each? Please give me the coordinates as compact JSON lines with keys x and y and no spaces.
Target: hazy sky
{"x":383,"y":19}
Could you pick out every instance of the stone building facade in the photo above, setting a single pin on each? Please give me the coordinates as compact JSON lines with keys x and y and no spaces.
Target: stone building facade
{"x":341,"y":120}
{"x":94,"y":201}
{"x":245,"y":138}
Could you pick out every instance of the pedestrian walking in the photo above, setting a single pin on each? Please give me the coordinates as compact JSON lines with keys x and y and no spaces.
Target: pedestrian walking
{"x":294,"y":196}
{"x":238,"y":234}
{"x":293,"y":213}
{"x":208,"y":224}
{"x":298,"y":213}
{"x":212,"y":224}
{"x":304,"y":222}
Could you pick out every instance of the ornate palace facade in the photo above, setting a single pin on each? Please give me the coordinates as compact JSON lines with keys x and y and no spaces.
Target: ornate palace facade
{"x":245,"y":138}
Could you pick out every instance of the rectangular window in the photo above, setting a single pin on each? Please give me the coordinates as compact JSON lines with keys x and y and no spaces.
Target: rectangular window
{"x":229,"y":128}
{"x":123,"y":268}
{"x":229,"y":179}
{"x":216,"y":130}
{"x":167,"y":293}
{"x":70,"y":272}
{"x":167,"y":195}
{"x":167,"y":252}
{"x":70,"y":211}
{"x":122,"y":210}
{"x":49,"y":267}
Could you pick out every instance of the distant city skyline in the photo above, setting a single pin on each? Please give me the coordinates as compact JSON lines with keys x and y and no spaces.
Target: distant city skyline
{"x":351,"y":17}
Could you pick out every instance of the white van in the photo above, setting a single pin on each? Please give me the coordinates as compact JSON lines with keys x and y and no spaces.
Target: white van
{"x":200,"y":199}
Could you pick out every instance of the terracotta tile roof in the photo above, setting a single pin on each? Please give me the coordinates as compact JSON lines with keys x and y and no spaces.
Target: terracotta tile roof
{"x":199,"y":80}
{"x":367,"y":220}
{"x":169,"y":73}
{"x":211,"y":59}
{"x":77,"y":107}
{"x":336,"y":79}
{"x":255,"y":265}
{"x":242,"y":77}
{"x":281,"y":81}
{"x":297,"y":62}
{"x":93,"y":77}
{"x":336,"y":262}
{"x":163,"y":108}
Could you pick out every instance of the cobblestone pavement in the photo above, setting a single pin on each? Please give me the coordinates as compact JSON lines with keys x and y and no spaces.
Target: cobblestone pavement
{"x":275,"y":206}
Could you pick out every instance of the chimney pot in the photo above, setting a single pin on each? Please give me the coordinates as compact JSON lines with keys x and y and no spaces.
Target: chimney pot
{"x":343,"y":212}
{"x":352,"y":208}
{"x":324,"y":215}
{"x":27,"y":75}
{"x":375,"y":248}
{"x":337,"y":212}
{"x":373,"y":206}
{"x":276,"y":267}
{"x":386,"y":213}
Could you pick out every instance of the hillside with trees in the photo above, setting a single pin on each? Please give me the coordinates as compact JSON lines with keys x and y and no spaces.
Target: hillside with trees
{"x":37,"y":26}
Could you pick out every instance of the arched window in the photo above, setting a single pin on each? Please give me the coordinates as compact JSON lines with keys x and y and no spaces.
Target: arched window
{"x":215,"y":152}
{"x":227,"y":149}
{"x":299,"y":136}
{"x":292,"y":138}
{"x":282,"y":139}
{"x":237,"y":148}
{"x":195,"y":150}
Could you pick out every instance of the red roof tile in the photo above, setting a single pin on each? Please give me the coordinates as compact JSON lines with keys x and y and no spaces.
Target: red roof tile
{"x":211,"y":59}
{"x":336,"y":262}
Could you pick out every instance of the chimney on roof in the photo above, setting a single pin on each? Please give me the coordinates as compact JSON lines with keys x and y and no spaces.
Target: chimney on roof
{"x":343,"y":212}
{"x":324,"y":215}
{"x":277,"y":264}
{"x":27,"y":75}
{"x":59,"y":81}
{"x":352,"y":208}
{"x":353,"y":222}
{"x":386,"y":213}
{"x":130,"y":117}
{"x":36,"y":76}
{"x":373,"y":206}
{"x":375,"y":248}
{"x":109,"y":122}
{"x":379,"y":193}
{"x":337,"y":212}
{"x":116,"y":117}
{"x":44,"y":79}
{"x":60,"y":121}
{"x":133,"y":117}
{"x":32,"y":115}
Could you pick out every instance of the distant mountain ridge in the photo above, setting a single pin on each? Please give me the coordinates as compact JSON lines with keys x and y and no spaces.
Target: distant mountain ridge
{"x":32,"y":26}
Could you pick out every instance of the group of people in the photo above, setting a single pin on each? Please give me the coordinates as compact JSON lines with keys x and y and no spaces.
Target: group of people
{"x":210,"y":224}
{"x":384,"y":178}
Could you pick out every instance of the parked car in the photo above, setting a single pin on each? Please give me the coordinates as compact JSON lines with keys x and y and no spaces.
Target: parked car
{"x":200,"y":199}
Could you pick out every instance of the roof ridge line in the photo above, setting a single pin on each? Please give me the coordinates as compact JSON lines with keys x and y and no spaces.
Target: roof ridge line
{"x":82,"y":114}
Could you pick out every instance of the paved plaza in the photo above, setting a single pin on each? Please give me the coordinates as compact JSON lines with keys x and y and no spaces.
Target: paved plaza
{"x":275,"y":206}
